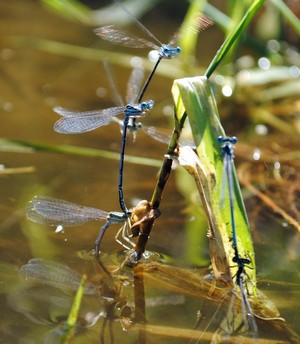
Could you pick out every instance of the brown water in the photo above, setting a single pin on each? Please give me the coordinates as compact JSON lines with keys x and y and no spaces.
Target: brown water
{"x":31,"y":83}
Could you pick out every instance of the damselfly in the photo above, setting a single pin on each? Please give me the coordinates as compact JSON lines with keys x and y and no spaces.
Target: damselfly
{"x":51,"y":281}
{"x":57,"y":275}
{"x":229,"y":319}
{"x":165,"y":51}
{"x":56,"y":212}
{"x":75,"y":122}
{"x":246,"y":321}
{"x":227,"y":176}
{"x":158,"y":134}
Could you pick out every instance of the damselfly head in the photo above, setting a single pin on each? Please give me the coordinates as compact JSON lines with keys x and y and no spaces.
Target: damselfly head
{"x":233,"y":139}
{"x":230,"y":139}
{"x":168,"y":52}
{"x":147,"y":105}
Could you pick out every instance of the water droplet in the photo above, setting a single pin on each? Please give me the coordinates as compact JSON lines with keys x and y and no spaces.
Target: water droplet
{"x":101,"y":92}
{"x":264,"y":63}
{"x":256,"y":154}
{"x":261,"y":129}
{"x":227,"y":91}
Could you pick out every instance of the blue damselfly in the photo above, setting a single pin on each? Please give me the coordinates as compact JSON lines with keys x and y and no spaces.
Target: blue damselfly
{"x":165,"y":51}
{"x":56,"y":212}
{"x":76,"y":122}
{"x":247,"y":321}
{"x":227,"y":178}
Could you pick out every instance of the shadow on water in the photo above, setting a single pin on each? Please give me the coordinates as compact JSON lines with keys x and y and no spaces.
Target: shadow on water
{"x":35,"y":306}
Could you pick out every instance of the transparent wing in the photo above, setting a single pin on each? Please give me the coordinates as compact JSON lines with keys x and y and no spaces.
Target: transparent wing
{"x":134,"y":84}
{"x":115,"y":94}
{"x":54,"y":274}
{"x":111,"y":34}
{"x":164,"y":136}
{"x":200,"y":23}
{"x":138,"y":23}
{"x":238,"y":324}
{"x":75,"y":122}
{"x":229,"y":166}
{"x":224,"y":179}
{"x":248,"y":316}
{"x":54,"y":212}
{"x":174,"y":39}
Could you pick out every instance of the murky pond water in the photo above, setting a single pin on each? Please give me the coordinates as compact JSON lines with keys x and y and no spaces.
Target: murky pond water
{"x":32,"y":82}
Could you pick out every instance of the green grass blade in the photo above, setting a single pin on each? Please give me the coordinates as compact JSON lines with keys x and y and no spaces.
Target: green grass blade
{"x":70,"y":324}
{"x":288,"y":14}
{"x":232,"y":38}
{"x":220,"y":19}
{"x":188,"y":33}
{"x":70,"y":9}
{"x":18,"y":146}
{"x":93,"y":54}
{"x":73,"y":315}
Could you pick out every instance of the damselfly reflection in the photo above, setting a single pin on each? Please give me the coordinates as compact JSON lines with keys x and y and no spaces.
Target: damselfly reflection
{"x":50,"y":286}
{"x":56,"y":212}
{"x":238,"y":324}
{"x":229,"y":321}
{"x":75,"y":122}
{"x":240,"y":280}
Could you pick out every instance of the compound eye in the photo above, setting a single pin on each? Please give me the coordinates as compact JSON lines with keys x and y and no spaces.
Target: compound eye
{"x":234,"y":139}
{"x":144,"y":105}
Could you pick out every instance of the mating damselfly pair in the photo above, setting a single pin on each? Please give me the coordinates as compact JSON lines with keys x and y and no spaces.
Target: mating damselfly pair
{"x":77,"y":122}
{"x":56,"y":212}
